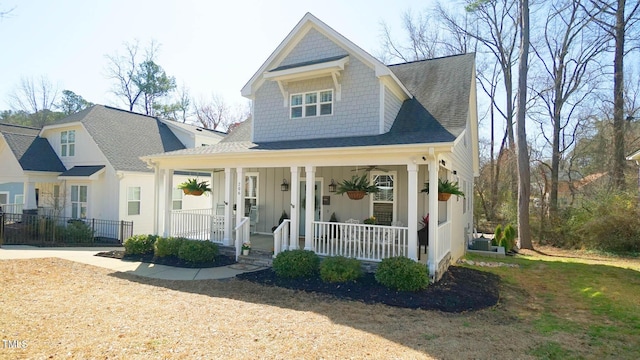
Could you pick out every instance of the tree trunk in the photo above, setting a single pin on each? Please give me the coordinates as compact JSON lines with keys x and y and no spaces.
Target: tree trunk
{"x":524,"y":177}
{"x":618,"y":99}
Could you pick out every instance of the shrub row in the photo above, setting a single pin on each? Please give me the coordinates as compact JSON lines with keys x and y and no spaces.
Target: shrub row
{"x":192,"y":251}
{"x":399,"y":273}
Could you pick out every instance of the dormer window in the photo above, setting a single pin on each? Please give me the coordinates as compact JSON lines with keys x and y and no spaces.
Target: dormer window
{"x":312,"y":104}
{"x":68,"y":143}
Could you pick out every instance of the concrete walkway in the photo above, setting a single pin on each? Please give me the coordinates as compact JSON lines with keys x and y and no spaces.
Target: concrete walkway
{"x":86,"y":255}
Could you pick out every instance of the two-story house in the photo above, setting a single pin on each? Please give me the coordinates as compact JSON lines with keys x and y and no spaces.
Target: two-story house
{"x":323,"y":110}
{"x":88,"y":165}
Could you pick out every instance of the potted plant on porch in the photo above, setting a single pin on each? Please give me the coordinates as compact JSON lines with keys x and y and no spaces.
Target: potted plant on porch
{"x":446,"y":188}
{"x":194,"y":187}
{"x":246,"y":246}
{"x":357,"y":187}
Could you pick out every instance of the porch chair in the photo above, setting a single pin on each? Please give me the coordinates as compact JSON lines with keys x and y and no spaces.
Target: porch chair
{"x":393,"y":240}
{"x":351,"y":240}
{"x":253,"y":218}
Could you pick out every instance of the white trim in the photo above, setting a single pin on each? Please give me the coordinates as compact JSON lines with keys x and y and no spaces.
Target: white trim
{"x":394,"y":174}
{"x":308,"y":71}
{"x":318,"y":104}
{"x":382,"y":107}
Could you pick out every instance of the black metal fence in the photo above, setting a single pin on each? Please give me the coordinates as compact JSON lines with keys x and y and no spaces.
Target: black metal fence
{"x":33,"y":229}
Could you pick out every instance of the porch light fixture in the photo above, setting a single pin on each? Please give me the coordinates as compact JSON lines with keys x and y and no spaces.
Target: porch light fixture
{"x":444,"y":163}
{"x":332,"y":186}
{"x":285,"y":185}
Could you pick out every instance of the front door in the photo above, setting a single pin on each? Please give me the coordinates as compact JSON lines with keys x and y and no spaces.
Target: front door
{"x":302,"y":211}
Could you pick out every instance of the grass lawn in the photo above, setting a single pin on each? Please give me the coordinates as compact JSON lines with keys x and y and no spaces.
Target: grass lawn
{"x":558,"y":306}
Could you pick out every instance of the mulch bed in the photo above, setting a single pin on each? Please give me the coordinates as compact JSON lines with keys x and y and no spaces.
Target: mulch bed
{"x":460,"y":289}
{"x":220,"y":260}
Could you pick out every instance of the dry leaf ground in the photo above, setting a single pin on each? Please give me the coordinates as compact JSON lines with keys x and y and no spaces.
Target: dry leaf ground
{"x":62,"y":309}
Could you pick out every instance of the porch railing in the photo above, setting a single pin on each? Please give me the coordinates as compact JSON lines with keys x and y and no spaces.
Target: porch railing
{"x":12,"y":208}
{"x":444,"y":247}
{"x":360,"y":241}
{"x":197,"y":224}
{"x":243,"y":233}
{"x":281,"y":237}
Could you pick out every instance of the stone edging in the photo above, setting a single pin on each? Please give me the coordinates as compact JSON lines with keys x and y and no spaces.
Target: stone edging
{"x":487,"y":263}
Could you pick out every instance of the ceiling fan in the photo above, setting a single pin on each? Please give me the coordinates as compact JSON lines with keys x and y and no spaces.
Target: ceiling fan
{"x":371,"y":167}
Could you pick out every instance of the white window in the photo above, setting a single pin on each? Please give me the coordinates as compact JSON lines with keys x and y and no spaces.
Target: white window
{"x":250,"y":192}
{"x":383,"y":203}
{"x":312,"y":104}
{"x":78,"y":201}
{"x":4,"y":198}
{"x":176,"y":199}
{"x":68,"y":143}
{"x":133,"y":200}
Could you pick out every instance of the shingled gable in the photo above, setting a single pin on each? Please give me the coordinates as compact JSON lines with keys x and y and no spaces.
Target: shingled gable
{"x":32,"y":152}
{"x":308,"y":22}
{"x":123,"y":136}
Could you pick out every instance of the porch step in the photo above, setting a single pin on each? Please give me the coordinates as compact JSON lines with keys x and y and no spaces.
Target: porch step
{"x":255,"y":257}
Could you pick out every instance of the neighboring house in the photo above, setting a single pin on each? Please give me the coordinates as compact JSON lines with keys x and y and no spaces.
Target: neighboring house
{"x":324,"y":110}
{"x":88,"y":165}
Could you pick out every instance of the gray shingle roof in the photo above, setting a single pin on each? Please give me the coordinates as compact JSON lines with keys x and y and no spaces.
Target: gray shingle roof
{"x":124,"y":136}
{"x":437,"y":113}
{"x":32,"y":152}
{"x":441,"y":87}
{"x":83,"y":170}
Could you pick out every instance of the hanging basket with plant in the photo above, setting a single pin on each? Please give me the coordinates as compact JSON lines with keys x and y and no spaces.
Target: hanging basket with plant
{"x":446,"y":188}
{"x":357,"y":187}
{"x":194,"y":187}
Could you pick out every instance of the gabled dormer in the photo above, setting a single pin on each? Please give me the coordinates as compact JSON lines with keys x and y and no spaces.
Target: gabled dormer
{"x":318,"y":84}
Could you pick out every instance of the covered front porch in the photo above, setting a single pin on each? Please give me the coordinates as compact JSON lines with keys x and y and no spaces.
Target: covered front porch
{"x":246,"y":204}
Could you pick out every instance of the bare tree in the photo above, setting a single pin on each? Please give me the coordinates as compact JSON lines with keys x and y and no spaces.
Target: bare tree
{"x":35,"y":97}
{"x":524,"y":172}
{"x":569,"y":54}
{"x":138,"y":78}
{"x":616,"y":18}
{"x":214,"y":112}
{"x":494,"y":24}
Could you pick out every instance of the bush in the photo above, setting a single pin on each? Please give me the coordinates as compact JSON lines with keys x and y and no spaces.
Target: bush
{"x":401,"y":273}
{"x":196,"y":251}
{"x":604,"y":221}
{"x":296,"y":264}
{"x":168,"y":246}
{"x":77,"y":232}
{"x":140,"y":244}
{"x":613,"y":226}
{"x":340,"y":269}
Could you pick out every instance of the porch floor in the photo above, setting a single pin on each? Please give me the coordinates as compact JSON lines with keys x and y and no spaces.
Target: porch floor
{"x":264,"y":242}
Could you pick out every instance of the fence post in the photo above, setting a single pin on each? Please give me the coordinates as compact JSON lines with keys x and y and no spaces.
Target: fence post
{"x":121,"y":231}
{"x":1,"y":227}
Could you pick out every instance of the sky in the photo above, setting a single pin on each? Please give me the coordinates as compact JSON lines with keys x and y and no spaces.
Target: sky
{"x":209,"y":46}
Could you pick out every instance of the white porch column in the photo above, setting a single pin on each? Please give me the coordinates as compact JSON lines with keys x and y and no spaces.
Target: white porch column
{"x":412,"y":210}
{"x":228,"y":186}
{"x":239,"y":195}
{"x":295,"y":189}
{"x":29,"y":191}
{"x":157,"y":182}
{"x":310,"y":206}
{"x":433,"y":215}
{"x":168,"y":194}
